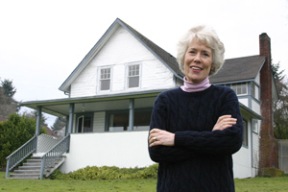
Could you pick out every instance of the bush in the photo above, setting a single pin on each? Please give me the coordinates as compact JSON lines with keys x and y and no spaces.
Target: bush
{"x":271,"y":172}
{"x":14,"y":132}
{"x":109,"y":173}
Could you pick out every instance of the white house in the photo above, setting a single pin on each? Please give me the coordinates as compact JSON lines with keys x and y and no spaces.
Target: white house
{"x":110,"y":99}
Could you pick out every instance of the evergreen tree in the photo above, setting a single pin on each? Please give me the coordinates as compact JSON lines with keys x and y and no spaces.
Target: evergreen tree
{"x":59,"y":123}
{"x":281,"y":104}
{"x":9,"y":89}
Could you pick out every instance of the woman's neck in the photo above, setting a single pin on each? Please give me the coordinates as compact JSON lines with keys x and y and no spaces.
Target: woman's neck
{"x":195,"y":87}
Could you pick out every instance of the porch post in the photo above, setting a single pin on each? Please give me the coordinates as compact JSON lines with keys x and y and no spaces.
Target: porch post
{"x":38,"y":120}
{"x":71,"y":118}
{"x":131,"y":114}
{"x":66,"y":126}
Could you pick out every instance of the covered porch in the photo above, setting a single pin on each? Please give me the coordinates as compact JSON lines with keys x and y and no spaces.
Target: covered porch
{"x":105,"y":113}
{"x":86,"y":116}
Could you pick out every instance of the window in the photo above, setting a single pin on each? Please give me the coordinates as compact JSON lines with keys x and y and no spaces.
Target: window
{"x":255,"y":125}
{"x":105,"y":75}
{"x":85,"y":123}
{"x":245,"y":134}
{"x":119,"y":120}
{"x":255,"y":91}
{"x":133,"y":76}
{"x":240,"y":88}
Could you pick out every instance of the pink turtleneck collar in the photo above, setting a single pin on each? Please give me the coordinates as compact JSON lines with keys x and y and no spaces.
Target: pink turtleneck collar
{"x":195,"y":87}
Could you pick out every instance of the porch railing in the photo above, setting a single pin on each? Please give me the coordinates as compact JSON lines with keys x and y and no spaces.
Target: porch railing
{"x":54,"y":155}
{"x":20,"y":154}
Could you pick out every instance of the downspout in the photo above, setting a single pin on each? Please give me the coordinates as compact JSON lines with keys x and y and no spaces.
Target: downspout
{"x":131,"y":115}
{"x":252,"y":149}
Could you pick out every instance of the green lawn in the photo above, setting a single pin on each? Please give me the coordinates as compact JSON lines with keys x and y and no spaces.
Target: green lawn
{"x":277,"y":184}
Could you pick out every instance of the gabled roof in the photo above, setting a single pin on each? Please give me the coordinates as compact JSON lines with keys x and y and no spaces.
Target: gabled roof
{"x":239,"y":70}
{"x":158,"y":52}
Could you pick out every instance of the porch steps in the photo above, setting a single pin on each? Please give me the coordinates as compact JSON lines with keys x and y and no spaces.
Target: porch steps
{"x":31,"y":169}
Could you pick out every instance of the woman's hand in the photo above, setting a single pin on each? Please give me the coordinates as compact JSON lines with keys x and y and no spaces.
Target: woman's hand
{"x":224,"y":122}
{"x":161,"y":137}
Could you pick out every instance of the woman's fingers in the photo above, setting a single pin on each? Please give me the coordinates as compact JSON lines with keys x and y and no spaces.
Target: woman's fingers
{"x":161,"y":137}
{"x":224,"y":122}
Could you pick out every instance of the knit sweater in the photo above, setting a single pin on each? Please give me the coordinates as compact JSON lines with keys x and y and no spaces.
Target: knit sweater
{"x":201,"y":159}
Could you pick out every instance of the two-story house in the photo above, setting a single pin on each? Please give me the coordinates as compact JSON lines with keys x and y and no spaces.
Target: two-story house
{"x":110,"y":98}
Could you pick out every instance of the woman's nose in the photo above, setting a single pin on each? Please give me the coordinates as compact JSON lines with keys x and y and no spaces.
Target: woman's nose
{"x":197,"y":57}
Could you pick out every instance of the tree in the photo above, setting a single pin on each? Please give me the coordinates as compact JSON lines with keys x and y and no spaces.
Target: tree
{"x":59,"y":123}
{"x":33,"y":114}
{"x":14,"y":132}
{"x":7,"y":105}
{"x":281,"y":105}
{"x":9,"y":89}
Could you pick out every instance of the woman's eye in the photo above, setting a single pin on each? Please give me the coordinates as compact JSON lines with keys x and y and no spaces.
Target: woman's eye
{"x":206,"y":54}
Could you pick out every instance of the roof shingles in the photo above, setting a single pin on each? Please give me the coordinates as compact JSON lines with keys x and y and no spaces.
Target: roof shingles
{"x":239,"y":69}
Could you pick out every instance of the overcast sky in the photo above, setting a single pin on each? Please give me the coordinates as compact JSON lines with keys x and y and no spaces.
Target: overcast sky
{"x":42,"y":41}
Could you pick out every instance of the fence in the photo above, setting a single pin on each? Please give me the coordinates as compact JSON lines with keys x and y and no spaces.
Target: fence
{"x":283,"y":155}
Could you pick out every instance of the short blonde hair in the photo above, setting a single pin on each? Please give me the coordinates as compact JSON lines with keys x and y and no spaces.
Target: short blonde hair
{"x":205,"y":35}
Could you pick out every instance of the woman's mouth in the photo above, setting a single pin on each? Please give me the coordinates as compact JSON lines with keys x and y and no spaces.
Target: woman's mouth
{"x":196,"y":69}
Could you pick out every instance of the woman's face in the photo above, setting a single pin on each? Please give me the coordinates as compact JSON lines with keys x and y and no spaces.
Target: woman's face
{"x":197,"y":61}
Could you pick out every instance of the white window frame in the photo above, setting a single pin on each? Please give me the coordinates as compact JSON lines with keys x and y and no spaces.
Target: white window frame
{"x":239,"y":88}
{"x":245,"y":141}
{"x":127,"y":77}
{"x":100,"y":79}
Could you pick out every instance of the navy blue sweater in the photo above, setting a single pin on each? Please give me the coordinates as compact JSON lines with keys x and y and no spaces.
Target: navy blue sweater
{"x":201,"y":160}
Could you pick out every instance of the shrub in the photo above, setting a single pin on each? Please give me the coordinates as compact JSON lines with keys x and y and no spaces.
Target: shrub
{"x":271,"y":172}
{"x":14,"y":132}
{"x":109,"y":173}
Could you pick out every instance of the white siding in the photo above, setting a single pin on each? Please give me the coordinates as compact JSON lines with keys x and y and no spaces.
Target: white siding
{"x":112,"y":149}
{"x":99,"y":122}
{"x":245,"y":161}
{"x":257,"y":79}
{"x":255,"y":106}
{"x":244,"y":101}
{"x":121,"y":50}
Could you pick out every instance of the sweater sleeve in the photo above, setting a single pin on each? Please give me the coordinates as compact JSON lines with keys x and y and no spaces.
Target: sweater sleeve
{"x":159,"y":120}
{"x":227,"y":141}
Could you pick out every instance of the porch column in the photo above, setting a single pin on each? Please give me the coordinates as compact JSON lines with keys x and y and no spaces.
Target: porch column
{"x":71,"y":118}
{"x":38,"y":120}
{"x":66,"y":125}
{"x":131,"y":114}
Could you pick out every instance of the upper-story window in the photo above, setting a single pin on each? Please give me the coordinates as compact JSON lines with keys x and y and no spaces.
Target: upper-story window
{"x":240,"y":88}
{"x":133,"y":76}
{"x":105,"y":79}
{"x":255,"y":91}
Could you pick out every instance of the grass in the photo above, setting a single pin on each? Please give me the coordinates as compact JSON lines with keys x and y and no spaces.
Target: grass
{"x":259,"y":184}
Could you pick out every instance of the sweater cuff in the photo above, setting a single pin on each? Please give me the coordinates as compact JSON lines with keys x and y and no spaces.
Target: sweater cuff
{"x":179,"y":139}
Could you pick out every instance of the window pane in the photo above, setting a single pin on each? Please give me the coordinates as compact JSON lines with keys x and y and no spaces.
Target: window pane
{"x":119,"y":121}
{"x":87,"y":125}
{"x":105,"y":79}
{"x":133,"y":70}
{"x":133,"y":76}
{"x":244,"y":88}
{"x":105,"y":84}
{"x":245,"y":134}
{"x":133,"y":82}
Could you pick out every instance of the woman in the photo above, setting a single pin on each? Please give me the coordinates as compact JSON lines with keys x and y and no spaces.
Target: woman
{"x":197,"y":127}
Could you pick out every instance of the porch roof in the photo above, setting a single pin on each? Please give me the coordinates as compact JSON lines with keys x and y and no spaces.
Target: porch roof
{"x":144,"y":99}
{"x":60,"y":107}
{"x":247,"y":112}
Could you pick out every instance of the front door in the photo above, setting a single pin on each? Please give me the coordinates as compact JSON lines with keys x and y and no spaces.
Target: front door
{"x":84,"y":124}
